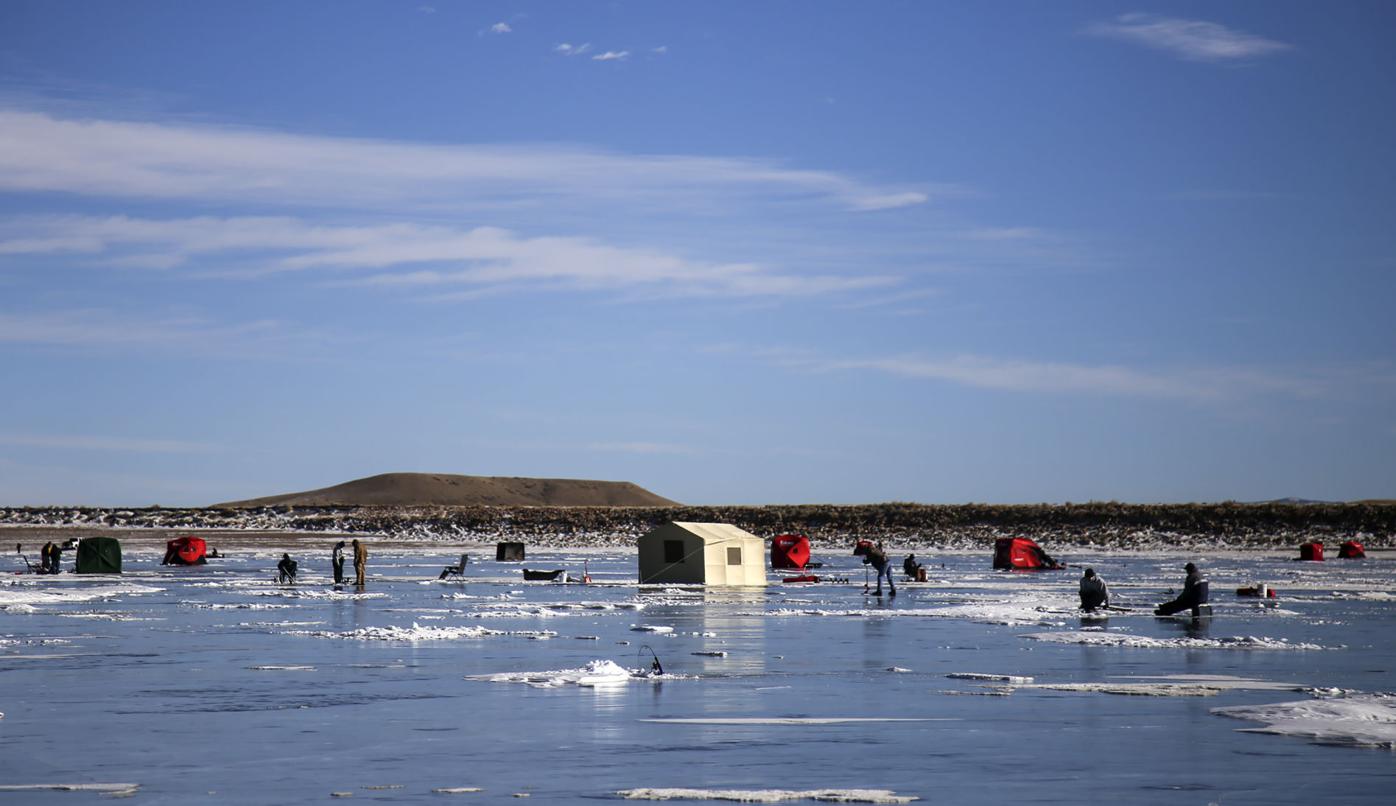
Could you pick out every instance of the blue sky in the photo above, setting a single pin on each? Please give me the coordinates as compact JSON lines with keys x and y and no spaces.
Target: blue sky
{"x":736,"y":252}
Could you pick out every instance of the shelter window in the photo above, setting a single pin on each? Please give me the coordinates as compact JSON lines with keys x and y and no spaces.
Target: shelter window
{"x":673,"y":551}
{"x":734,"y":555}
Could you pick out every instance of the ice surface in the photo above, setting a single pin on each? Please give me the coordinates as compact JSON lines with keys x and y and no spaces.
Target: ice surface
{"x":770,"y":795}
{"x":398,"y":689}
{"x":1358,"y":721}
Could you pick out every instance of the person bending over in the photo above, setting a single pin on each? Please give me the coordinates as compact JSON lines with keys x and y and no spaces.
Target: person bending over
{"x":1094,"y":592}
{"x":286,"y":569}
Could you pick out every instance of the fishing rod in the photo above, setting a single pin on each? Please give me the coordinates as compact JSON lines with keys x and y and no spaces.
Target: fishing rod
{"x":656,"y":667}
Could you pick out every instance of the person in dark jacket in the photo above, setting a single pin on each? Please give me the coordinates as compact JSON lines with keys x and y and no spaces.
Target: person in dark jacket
{"x":1194,"y":594}
{"x":877,"y":558}
{"x":1094,"y":592}
{"x":337,"y":560}
{"x":286,"y":569}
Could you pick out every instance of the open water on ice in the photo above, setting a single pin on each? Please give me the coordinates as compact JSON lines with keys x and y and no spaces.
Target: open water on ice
{"x":215,"y":684}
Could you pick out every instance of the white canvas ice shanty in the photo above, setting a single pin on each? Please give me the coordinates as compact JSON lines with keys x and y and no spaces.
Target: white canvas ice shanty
{"x":702,"y":554}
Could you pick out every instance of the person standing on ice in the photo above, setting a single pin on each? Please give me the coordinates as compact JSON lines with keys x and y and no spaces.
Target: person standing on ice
{"x":1094,"y":592}
{"x":877,"y":558}
{"x":360,"y":562}
{"x":1194,"y":593}
{"x":337,"y":560}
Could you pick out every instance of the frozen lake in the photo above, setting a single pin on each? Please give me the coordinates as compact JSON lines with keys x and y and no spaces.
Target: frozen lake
{"x":215,"y":684}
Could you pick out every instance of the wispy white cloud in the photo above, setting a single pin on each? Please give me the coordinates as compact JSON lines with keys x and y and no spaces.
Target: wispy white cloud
{"x":98,"y":443}
{"x":410,"y":255}
{"x":611,"y":56}
{"x":1196,"y":384}
{"x":569,"y":49}
{"x":427,"y":9}
{"x":661,"y":50}
{"x":1193,"y":40}
{"x":96,"y":327}
{"x":501,"y":28}
{"x":41,"y":152}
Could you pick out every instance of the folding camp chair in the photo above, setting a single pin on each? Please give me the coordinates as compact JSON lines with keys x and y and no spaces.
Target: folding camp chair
{"x":458,"y":570}
{"x":31,"y":567}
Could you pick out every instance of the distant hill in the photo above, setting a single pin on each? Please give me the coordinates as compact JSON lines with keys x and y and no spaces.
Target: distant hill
{"x":437,"y":489}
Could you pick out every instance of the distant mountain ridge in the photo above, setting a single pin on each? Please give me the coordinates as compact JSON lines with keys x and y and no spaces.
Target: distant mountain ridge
{"x":444,"y":489}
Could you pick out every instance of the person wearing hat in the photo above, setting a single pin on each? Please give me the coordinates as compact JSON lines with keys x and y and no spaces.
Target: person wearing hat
{"x":1094,"y":592}
{"x":1194,"y":594}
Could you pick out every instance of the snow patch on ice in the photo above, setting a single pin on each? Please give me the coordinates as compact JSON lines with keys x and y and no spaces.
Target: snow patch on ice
{"x":990,"y":678}
{"x":419,"y":633}
{"x":651,"y":628}
{"x":1359,"y":721}
{"x":114,"y":790}
{"x":43,"y":597}
{"x":596,"y":673}
{"x":770,"y":795}
{"x":1115,"y":639}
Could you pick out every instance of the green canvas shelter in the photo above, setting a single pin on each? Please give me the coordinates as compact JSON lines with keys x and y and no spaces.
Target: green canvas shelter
{"x":99,"y":555}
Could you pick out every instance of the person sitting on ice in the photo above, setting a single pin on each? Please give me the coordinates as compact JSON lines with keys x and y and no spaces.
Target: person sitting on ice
{"x":911,"y":566}
{"x":1094,"y":592}
{"x":1194,"y":594}
{"x":286,"y":569}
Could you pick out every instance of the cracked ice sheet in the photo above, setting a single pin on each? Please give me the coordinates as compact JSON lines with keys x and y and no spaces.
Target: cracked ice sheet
{"x":1361,"y":721}
{"x":770,"y":795}
{"x":1114,"y":639}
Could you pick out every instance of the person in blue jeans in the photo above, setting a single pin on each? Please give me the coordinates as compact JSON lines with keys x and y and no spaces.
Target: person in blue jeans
{"x":877,"y":558}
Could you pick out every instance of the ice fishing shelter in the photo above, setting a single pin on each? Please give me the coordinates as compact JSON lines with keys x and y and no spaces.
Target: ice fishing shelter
{"x":1020,"y":552}
{"x":188,"y":550}
{"x":1311,"y":551}
{"x":99,"y":555}
{"x":702,"y":554}
{"x":1351,"y":550}
{"x":789,"y":551}
{"x":509,"y":552}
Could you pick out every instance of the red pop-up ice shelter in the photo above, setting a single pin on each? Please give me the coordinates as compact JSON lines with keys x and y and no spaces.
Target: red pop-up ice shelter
{"x":1311,"y":551}
{"x":1351,"y":550}
{"x":185,"y":551}
{"x":1020,"y":552}
{"x":789,"y":551}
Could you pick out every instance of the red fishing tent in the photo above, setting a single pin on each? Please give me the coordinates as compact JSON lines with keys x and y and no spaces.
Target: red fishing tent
{"x":1020,"y":552}
{"x":1351,"y":550}
{"x":789,"y":551}
{"x":186,"y":550}
{"x":1311,"y":551}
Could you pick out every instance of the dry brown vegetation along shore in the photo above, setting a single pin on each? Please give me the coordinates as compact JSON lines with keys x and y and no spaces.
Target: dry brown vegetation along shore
{"x":964,"y":526}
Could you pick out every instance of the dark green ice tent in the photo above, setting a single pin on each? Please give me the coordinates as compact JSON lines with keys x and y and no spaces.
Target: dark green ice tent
{"x":99,"y":555}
